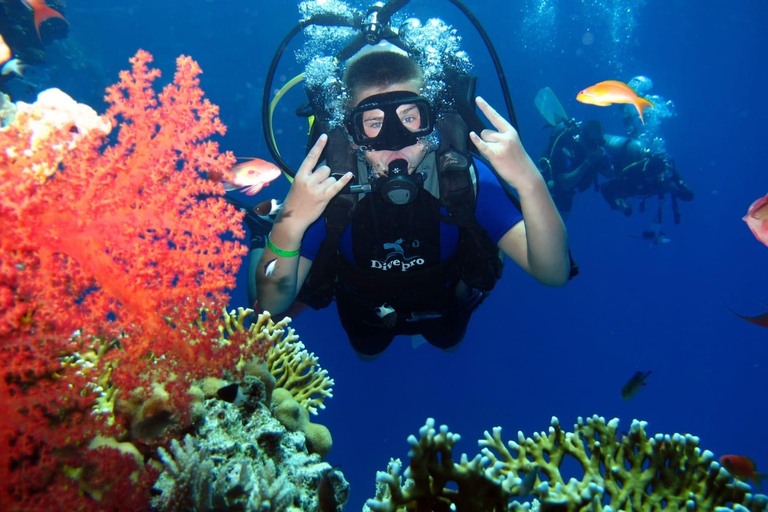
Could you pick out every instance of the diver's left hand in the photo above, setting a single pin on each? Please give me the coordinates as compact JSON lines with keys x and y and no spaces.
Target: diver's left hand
{"x":504,"y":150}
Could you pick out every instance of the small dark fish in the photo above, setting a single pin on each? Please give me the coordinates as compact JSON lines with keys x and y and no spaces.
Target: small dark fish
{"x":153,"y":426}
{"x":526,"y":486}
{"x":232,"y":393}
{"x":268,"y":208}
{"x":634,"y":385}
{"x":269,"y":268}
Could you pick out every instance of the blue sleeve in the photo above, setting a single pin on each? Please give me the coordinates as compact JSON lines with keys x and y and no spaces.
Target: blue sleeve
{"x":495,"y":211}
{"x":313,"y":237}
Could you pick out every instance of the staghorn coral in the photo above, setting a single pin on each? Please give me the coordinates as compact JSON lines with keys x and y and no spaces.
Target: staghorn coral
{"x":634,"y":473}
{"x":112,"y":247}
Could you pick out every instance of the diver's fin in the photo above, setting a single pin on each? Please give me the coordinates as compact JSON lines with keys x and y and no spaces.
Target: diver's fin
{"x":549,"y":107}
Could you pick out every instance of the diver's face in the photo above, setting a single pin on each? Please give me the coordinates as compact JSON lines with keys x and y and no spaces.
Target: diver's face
{"x":409,"y":116}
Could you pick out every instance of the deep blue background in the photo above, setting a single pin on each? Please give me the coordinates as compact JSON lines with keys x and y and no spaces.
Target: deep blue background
{"x":531,"y":352}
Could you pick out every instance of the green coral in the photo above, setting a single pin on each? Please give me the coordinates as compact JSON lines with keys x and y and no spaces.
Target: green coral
{"x":631,"y":472}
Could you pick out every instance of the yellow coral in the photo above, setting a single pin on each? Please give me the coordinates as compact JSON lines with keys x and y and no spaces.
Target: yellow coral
{"x":634,"y":473}
{"x":298,"y":371}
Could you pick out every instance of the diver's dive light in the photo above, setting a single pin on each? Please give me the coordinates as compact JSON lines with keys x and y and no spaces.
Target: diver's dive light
{"x":374,"y":27}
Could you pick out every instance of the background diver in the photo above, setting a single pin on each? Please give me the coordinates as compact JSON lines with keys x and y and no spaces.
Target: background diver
{"x":579,"y":152}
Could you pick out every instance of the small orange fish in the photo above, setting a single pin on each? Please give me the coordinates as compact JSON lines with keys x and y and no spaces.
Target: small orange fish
{"x":254,"y":174}
{"x":42,"y":12}
{"x":742,"y":468}
{"x":5,"y":51}
{"x":612,"y":91}
{"x":757,"y":219}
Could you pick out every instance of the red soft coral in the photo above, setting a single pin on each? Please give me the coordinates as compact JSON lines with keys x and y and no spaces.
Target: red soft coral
{"x":123,"y":244}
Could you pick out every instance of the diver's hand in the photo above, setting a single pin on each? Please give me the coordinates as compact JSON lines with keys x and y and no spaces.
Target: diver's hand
{"x":311,"y":191}
{"x":595,"y":157}
{"x":504,"y":150}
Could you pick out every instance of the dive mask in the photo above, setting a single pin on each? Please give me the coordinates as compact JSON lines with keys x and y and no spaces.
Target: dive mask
{"x":390,"y":121}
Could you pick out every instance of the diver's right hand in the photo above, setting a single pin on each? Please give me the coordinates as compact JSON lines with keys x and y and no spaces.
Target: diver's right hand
{"x":311,"y":191}
{"x":594,"y":157}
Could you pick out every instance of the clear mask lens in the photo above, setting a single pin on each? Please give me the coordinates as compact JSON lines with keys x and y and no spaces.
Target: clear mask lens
{"x":391,"y":121}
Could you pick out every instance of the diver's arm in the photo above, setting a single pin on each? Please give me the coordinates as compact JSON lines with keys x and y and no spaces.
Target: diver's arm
{"x":279,"y":278}
{"x":540,"y":243}
{"x":569,"y":180}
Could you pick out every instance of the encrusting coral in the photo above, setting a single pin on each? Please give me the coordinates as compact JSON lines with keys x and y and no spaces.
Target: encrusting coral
{"x":630,"y":473}
{"x":242,"y":458}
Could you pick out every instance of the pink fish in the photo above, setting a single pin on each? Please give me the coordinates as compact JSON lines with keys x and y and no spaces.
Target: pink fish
{"x":757,"y":219}
{"x":254,"y":174}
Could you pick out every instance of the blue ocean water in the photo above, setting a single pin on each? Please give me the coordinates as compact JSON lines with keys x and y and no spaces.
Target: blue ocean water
{"x":531,"y":352}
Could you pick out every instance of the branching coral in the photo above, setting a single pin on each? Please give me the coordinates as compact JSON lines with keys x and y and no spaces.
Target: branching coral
{"x":633,"y":472}
{"x":298,"y":371}
{"x":112,"y":246}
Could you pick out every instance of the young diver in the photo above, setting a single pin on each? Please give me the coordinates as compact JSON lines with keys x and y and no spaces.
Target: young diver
{"x":407,"y":256}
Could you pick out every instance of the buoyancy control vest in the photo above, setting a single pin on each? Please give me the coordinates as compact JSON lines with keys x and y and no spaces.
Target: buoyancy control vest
{"x":477,"y":260}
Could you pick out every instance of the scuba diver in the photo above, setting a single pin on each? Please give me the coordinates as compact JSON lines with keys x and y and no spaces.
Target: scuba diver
{"x":579,"y":152}
{"x":640,"y":174}
{"x":575,"y":157}
{"x":389,"y":214}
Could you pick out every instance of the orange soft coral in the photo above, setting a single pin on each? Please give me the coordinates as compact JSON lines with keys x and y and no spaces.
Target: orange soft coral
{"x":112,"y":239}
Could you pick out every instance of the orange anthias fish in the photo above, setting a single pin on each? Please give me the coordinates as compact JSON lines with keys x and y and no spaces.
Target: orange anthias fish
{"x":42,"y":12}
{"x":254,"y":174}
{"x":612,"y":91}
{"x":757,"y":219}
{"x":5,"y":51}
{"x":742,"y":468}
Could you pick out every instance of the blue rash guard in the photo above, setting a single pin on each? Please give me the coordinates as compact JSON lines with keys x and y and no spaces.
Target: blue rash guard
{"x":494,"y":212}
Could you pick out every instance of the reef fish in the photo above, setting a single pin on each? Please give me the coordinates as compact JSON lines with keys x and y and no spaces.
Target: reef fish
{"x":5,"y":51}
{"x":761,"y":320}
{"x":757,"y":219}
{"x":610,"y":92}
{"x":742,"y":468}
{"x":634,"y":385}
{"x":42,"y":12}
{"x":253,"y":174}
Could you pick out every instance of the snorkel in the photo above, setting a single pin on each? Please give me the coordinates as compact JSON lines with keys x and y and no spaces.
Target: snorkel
{"x":373,"y":27}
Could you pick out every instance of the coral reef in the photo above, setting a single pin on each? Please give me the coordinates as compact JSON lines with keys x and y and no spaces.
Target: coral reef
{"x":242,"y":458}
{"x":630,"y":472}
{"x":118,"y":251}
{"x":7,"y":110}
